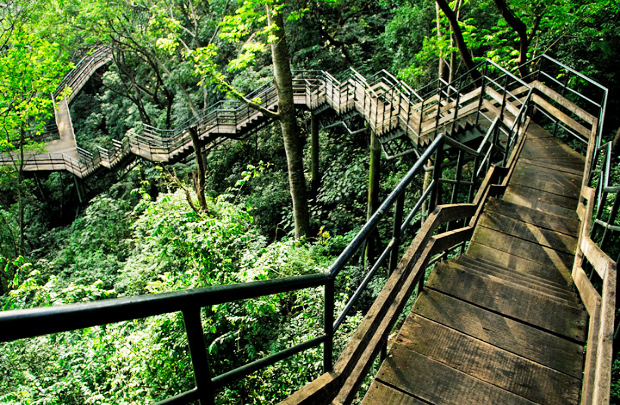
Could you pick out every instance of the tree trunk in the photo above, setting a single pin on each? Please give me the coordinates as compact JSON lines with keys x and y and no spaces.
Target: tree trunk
{"x":200,"y":178}
{"x":443,"y":67}
{"x":293,"y":143}
{"x":460,"y":41}
{"x":616,"y":143}
{"x":452,"y":67}
{"x":20,"y":195}
{"x":520,"y":29}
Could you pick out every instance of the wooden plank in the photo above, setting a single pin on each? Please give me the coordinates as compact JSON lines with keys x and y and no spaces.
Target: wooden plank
{"x":550,"y":166}
{"x":589,"y":118}
{"x":498,"y":97}
{"x":532,"y":282}
{"x":516,"y":337}
{"x":534,"y":217}
{"x":518,"y":304}
{"x":379,"y":393}
{"x":529,"y":232}
{"x":545,"y":196}
{"x":553,"y":145}
{"x":477,"y":261}
{"x":577,"y":127}
{"x":597,"y":258}
{"x":437,"y":383}
{"x":507,"y":282}
{"x":604,"y":352}
{"x":591,"y":298}
{"x":542,"y":183}
{"x":589,"y":371}
{"x":520,"y":264}
{"x":525,"y":249}
{"x":524,"y":172}
{"x":489,"y":363}
{"x":541,"y":205}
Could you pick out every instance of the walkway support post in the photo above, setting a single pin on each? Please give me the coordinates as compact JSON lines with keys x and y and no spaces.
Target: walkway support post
{"x":314,"y":136}
{"x":373,"y":187}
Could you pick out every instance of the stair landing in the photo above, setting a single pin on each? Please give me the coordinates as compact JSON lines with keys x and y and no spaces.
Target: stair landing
{"x":501,"y":324}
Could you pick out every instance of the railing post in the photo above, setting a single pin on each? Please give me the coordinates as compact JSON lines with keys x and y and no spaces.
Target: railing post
{"x":421,"y":118}
{"x":328,"y":317}
{"x":482,"y":94}
{"x":555,"y":126}
{"x":398,"y":222}
{"x":198,"y":352}
{"x":456,"y":108}
{"x":472,"y":187}
{"x":438,"y":113}
{"x":436,"y":193}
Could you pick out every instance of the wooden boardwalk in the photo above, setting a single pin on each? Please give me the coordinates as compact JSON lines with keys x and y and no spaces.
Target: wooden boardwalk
{"x":501,"y":324}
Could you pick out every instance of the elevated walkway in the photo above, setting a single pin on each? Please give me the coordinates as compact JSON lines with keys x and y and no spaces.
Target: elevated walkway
{"x":503,"y":323}
{"x":405,"y":121}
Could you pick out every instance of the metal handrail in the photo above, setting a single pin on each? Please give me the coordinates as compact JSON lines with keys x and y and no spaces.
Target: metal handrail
{"x":26,"y":323}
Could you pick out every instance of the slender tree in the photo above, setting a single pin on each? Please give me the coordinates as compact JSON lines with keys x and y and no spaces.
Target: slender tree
{"x":458,"y":38}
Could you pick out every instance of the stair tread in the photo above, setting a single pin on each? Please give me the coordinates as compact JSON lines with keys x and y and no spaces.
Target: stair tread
{"x":562,"y":296}
{"x":568,"y":226}
{"x":505,"y":333}
{"x":544,"y":237}
{"x":530,"y":280}
{"x":529,"y":307}
{"x":518,"y":263}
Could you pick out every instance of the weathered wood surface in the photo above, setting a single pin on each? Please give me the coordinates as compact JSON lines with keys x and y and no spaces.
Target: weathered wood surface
{"x":503,"y":323}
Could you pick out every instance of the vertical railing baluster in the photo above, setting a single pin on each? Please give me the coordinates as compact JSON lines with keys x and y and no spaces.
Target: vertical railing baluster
{"x":482,"y":94}
{"x":472,"y":187}
{"x":438,"y":113}
{"x":435,"y":195}
{"x":198,"y":352}
{"x":328,"y":317}
{"x":610,"y":220}
{"x":398,"y":222}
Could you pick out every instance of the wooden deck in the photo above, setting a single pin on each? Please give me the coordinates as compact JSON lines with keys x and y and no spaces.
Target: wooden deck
{"x":501,"y":324}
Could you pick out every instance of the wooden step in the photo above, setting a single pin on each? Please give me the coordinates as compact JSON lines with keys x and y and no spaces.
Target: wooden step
{"x":510,"y":282}
{"x":552,"y":166}
{"x":567,"y":226}
{"x":528,"y":307}
{"x":527,"y":199}
{"x":529,"y":232}
{"x":520,"y":264}
{"x":533,"y":282}
{"x":498,"y":267}
{"x":525,"y":249}
{"x":505,"y":333}
{"x":552,"y":145}
{"x":565,"y":184}
{"x":488,"y":363}
{"x":435,"y":383}
{"x":545,"y":196}
{"x":379,"y":393}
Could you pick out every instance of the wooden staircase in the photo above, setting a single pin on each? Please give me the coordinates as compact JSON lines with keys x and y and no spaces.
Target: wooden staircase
{"x":501,"y":324}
